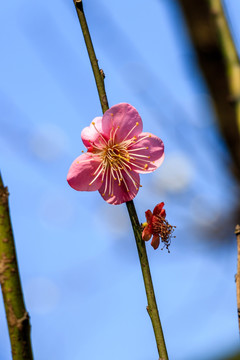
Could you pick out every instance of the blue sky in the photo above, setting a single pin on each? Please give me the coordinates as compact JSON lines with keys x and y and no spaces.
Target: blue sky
{"x":78,"y":261}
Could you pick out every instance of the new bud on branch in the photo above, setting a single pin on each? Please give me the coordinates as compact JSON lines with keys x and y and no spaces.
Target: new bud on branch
{"x":117,"y":152}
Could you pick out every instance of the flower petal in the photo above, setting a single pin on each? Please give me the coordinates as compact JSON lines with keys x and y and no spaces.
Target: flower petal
{"x":148,"y":215}
{"x":158,"y":208}
{"x":163,"y":213}
{"x":117,"y":194}
{"x":81,"y":173}
{"x":155,"y":241}
{"x":147,"y":233}
{"x":148,"y":152}
{"x":124,"y":119}
{"x":90,"y":133}
{"x":157,"y":223}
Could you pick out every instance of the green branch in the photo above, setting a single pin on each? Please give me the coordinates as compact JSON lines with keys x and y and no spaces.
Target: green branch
{"x":152,"y":305}
{"x":98,"y":74}
{"x":237,"y":277}
{"x":17,"y":316}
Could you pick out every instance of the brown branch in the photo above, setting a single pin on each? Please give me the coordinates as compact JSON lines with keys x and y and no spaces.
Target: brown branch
{"x":17,"y":316}
{"x":219,"y":63}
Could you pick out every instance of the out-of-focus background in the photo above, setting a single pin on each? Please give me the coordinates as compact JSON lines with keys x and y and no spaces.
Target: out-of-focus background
{"x":78,"y":261}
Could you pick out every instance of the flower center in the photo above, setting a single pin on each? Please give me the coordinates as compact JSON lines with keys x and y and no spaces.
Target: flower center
{"x":115,"y":156}
{"x":117,"y":160}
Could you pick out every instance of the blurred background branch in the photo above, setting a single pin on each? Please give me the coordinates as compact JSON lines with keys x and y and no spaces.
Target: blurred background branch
{"x":219,"y":63}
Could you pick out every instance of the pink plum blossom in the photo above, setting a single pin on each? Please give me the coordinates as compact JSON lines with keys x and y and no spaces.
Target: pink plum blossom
{"x":117,"y":152}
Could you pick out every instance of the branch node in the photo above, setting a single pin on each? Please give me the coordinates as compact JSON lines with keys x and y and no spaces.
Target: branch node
{"x":233,"y":100}
{"x":4,"y":194}
{"x":102,"y":74}
{"x":3,"y":267}
{"x":104,"y":100}
{"x":215,"y":12}
{"x":237,"y":229}
{"x":14,"y":321}
{"x":78,"y":4}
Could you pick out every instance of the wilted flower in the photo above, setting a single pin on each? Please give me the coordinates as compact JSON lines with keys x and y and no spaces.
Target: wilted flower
{"x":117,"y":151}
{"x":157,"y":227}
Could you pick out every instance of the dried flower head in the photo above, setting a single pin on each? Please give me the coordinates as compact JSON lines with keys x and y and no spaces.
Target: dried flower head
{"x":117,"y":152}
{"x":157,"y":227}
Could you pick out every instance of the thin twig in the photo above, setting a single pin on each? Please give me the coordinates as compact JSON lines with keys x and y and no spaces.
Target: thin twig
{"x":17,"y":316}
{"x":237,"y":232}
{"x":98,"y":74}
{"x":152,"y":305}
